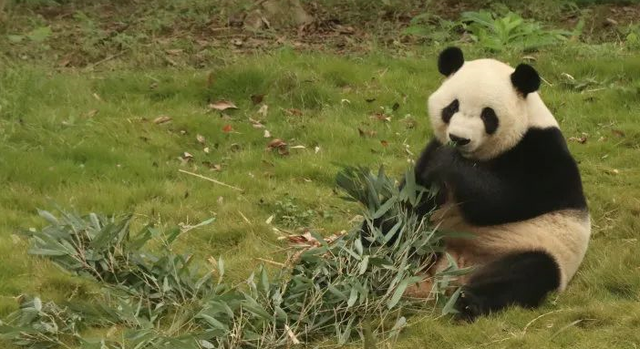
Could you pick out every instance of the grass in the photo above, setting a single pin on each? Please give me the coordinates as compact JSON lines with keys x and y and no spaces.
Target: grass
{"x":77,"y":111}
{"x":87,"y":140}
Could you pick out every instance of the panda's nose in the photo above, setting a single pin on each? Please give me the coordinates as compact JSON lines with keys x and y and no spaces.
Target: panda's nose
{"x":459,"y":140}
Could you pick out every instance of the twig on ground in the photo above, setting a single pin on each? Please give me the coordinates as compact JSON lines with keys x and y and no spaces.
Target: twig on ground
{"x":211,"y":180}
{"x":282,"y":265}
{"x":524,"y":330}
{"x":106,"y":59}
{"x":244,"y":217}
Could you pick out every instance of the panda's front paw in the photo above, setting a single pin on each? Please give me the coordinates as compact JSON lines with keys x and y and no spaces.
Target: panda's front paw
{"x":469,"y":306}
{"x":442,"y":162}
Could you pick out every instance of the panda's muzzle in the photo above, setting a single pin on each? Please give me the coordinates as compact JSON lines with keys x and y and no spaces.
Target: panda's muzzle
{"x":459,"y":141}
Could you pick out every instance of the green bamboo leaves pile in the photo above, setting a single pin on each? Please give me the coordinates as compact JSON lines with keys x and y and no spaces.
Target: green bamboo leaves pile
{"x":155,"y":298}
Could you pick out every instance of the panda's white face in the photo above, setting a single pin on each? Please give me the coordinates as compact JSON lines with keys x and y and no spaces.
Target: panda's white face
{"x":478,"y":108}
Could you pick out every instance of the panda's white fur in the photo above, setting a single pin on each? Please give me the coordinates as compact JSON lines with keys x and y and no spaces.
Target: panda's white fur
{"x":491,"y":88}
{"x":563,"y":234}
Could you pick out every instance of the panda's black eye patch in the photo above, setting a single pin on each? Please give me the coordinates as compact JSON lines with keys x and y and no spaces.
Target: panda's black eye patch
{"x":448,"y":111}
{"x":490,"y":120}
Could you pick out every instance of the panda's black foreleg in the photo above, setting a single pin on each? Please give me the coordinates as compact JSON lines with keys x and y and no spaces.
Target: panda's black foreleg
{"x":522,"y":279}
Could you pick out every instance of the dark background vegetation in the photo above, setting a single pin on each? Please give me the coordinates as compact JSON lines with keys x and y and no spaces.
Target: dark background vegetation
{"x":198,"y":32}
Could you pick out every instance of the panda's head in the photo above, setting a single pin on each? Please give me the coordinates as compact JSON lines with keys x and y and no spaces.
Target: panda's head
{"x":484,"y":106}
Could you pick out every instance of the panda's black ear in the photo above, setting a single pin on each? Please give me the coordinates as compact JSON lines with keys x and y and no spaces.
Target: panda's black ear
{"x":525,"y":79}
{"x":450,"y":60}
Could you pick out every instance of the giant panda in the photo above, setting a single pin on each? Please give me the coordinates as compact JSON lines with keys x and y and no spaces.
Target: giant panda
{"x":509,"y":180}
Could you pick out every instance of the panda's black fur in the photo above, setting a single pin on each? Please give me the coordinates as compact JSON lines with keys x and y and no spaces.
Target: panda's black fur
{"x":510,"y":188}
{"x":493,"y":192}
{"x":534,"y":177}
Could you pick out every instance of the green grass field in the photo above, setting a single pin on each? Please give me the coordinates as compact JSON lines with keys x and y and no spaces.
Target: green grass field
{"x":90,"y":140}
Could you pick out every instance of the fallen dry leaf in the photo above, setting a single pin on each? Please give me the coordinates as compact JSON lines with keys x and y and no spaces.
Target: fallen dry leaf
{"x":227,"y":128}
{"x":162,"y":119}
{"x":582,"y":139}
{"x":206,"y":150}
{"x":267,"y":134}
{"x":200,"y":138}
{"x":618,"y":133}
{"x":170,"y":61}
{"x":257,"y":99}
{"x":381,"y":117}
{"x":341,"y":29}
{"x":64,"y":62}
{"x":384,"y":143}
{"x":276,"y":143}
{"x":256,"y":123}
{"x":407,"y":149}
{"x":364,"y":133}
{"x":185,"y":158}
{"x":263,"y":110}
{"x":174,"y":52}
{"x":308,"y":240}
{"x":212,"y":166}
{"x":317,"y":149}
{"x":222,"y":105}
{"x":410,"y":122}
{"x":280,"y":145}
{"x":294,"y":112}
{"x":235,"y":147}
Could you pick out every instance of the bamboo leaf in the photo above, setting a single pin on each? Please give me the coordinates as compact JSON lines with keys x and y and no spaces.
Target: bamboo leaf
{"x":213,"y":322}
{"x":384,"y":208}
{"x":397,"y":294}
{"x":353,"y":297}
{"x":336,"y":292}
{"x":48,"y":216}
{"x":449,"y":307}
{"x":363,"y":265}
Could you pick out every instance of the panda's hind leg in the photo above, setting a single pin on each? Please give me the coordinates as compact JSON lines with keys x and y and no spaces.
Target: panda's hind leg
{"x":523,"y":279}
